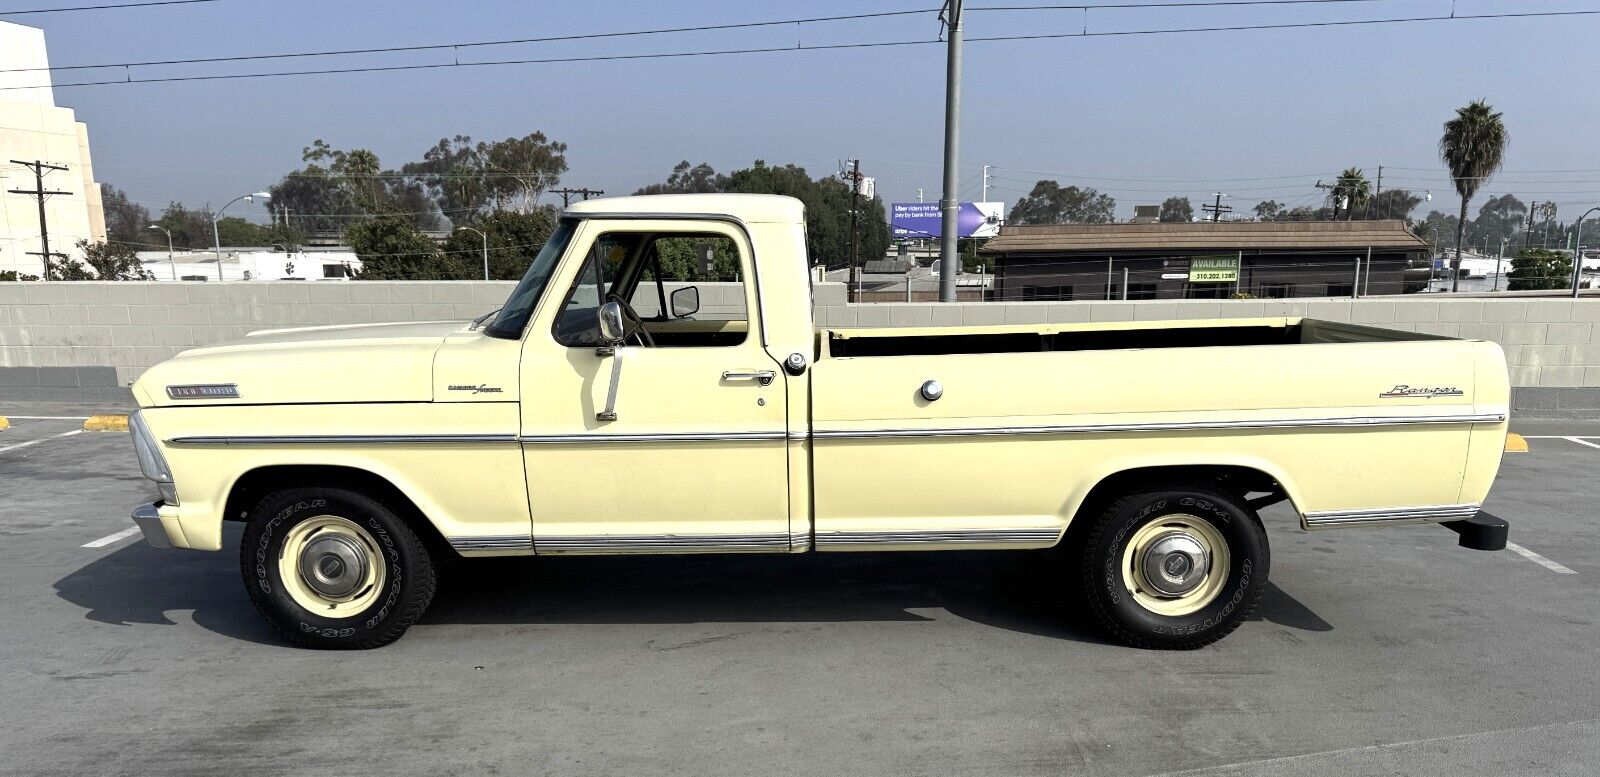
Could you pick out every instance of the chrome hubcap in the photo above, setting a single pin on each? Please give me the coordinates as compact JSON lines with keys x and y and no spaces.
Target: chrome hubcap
{"x":333,"y":565}
{"x":1174,"y":563}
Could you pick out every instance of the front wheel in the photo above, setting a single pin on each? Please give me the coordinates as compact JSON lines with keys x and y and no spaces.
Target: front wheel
{"x":1174,"y":568}
{"x":334,"y":569}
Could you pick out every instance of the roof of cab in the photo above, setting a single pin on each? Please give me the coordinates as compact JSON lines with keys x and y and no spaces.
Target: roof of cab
{"x":749,"y":208}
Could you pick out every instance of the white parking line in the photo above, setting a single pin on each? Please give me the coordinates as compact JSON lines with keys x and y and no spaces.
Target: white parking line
{"x":42,"y":439}
{"x":1581,"y":441}
{"x":110,"y":538}
{"x":1538,"y":559}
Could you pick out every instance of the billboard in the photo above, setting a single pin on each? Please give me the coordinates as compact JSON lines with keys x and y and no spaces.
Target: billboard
{"x":1214,"y":269}
{"x":911,"y":220}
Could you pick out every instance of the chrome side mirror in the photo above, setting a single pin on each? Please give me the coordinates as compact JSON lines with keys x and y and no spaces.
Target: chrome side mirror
{"x":685,"y":301}
{"x":612,"y":329}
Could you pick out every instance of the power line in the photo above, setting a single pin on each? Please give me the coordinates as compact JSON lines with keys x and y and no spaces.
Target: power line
{"x":482,"y":43}
{"x":106,"y":7}
{"x":818,"y":47}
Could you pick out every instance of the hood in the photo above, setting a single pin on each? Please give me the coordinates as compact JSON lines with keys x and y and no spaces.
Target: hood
{"x":360,"y":363}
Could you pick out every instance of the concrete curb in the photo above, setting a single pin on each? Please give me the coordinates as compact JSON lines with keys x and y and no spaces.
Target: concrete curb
{"x":106,"y":423}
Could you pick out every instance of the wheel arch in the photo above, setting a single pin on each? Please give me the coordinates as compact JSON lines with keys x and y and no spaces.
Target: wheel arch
{"x":250,"y":487}
{"x":1238,"y":478}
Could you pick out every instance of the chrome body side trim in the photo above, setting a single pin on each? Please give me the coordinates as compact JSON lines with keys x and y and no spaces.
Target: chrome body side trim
{"x":494,"y":542}
{"x":661,"y":543}
{"x":540,"y":439}
{"x":938,"y":537}
{"x":1167,"y":426}
{"x":344,"y":439}
{"x":1329,"y":519}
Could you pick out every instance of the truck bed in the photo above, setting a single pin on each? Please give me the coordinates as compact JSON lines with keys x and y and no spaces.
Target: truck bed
{"x":1103,"y":336}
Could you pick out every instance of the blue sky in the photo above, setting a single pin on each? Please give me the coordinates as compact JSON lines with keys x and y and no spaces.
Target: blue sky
{"x":1139,"y":117}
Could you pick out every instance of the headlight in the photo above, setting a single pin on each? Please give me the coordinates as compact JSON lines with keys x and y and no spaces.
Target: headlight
{"x":151,"y":462}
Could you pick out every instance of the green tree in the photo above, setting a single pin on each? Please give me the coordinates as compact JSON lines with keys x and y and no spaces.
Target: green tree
{"x":1501,"y":218}
{"x":66,"y":268}
{"x":514,"y":239}
{"x":1540,"y":268}
{"x":114,"y":262}
{"x":1473,"y":147}
{"x":1177,"y":210}
{"x":688,"y":179}
{"x":189,"y":228}
{"x":235,"y":231}
{"x":1393,"y":204}
{"x":126,"y":220}
{"x":392,"y":248}
{"x":13,"y":275}
{"x":1269,"y":210}
{"x":522,"y":169}
{"x":1352,"y":192}
{"x":1051,"y":203}
{"x":454,"y":175}
{"x":827,"y":204}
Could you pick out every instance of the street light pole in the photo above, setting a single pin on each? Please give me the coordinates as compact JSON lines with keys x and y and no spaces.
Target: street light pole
{"x":216,"y":240}
{"x":485,"y":248}
{"x":172,"y":263}
{"x":1577,"y":252}
{"x":949,"y":205}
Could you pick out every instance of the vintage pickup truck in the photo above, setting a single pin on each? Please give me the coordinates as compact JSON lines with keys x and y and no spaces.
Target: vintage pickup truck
{"x":602,"y":411}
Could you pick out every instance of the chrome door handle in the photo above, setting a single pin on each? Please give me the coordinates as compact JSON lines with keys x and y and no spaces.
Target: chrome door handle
{"x":763,"y":376}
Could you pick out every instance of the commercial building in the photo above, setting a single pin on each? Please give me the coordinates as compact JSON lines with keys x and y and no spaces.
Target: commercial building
{"x":1206,"y":260}
{"x":265,"y":263}
{"x":36,"y":131}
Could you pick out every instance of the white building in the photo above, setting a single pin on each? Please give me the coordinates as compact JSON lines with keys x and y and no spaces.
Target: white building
{"x":34,"y":129}
{"x":254,"y":264}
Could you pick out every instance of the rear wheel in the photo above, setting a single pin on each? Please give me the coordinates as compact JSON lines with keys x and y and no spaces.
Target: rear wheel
{"x":1176,"y":568}
{"x":335,"y":569}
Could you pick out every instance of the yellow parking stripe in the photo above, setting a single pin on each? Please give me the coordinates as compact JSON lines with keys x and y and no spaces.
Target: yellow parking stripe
{"x":106,"y":423}
{"x":3,"y":422}
{"x":1516,"y":443}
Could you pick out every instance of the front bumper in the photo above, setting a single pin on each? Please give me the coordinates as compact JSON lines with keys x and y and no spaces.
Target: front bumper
{"x":156,"y":531}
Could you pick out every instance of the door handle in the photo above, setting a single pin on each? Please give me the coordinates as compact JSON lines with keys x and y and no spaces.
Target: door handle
{"x":764,"y":377}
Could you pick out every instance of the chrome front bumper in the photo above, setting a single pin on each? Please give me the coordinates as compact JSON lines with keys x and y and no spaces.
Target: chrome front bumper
{"x":148,"y":518}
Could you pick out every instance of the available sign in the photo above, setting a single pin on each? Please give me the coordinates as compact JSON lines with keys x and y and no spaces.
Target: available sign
{"x":922,"y":219}
{"x":1214,"y":269}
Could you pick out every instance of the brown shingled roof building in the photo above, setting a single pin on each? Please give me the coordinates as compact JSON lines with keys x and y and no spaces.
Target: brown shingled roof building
{"x":1206,"y":260}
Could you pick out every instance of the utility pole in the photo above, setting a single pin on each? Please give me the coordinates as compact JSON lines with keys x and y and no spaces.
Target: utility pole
{"x":949,"y":207}
{"x":38,"y":192}
{"x":985,"y":197}
{"x":1380,"y":191}
{"x":566,"y":194}
{"x":1218,"y":209}
{"x":855,"y":197}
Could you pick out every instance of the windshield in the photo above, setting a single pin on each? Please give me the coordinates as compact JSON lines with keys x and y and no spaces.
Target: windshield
{"x":513,"y":317}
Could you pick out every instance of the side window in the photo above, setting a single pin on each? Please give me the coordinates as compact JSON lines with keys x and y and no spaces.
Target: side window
{"x":710,"y":263}
{"x":699,"y":274}
{"x":578,"y":325}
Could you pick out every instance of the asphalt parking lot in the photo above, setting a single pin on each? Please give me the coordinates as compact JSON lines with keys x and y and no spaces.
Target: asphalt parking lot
{"x":1378,"y":651}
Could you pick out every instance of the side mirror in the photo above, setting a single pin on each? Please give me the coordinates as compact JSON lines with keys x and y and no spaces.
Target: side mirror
{"x":685,"y":301}
{"x":611,"y":323}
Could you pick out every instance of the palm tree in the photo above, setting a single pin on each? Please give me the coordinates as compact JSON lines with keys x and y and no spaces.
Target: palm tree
{"x":1353,"y":188}
{"x":1473,"y":146}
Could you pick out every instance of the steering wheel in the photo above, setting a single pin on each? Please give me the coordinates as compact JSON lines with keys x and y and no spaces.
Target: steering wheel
{"x":632,"y":323}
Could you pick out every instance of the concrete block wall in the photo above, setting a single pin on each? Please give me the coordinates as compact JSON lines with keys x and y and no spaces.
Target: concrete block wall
{"x":84,"y":340}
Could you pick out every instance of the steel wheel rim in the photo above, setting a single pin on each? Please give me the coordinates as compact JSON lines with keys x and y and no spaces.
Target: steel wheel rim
{"x":1156,"y":548}
{"x":331,"y":566}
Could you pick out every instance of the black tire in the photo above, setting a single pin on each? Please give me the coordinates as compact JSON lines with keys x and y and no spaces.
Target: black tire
{"x":408,"y":578}
{"x":1102,"y":554}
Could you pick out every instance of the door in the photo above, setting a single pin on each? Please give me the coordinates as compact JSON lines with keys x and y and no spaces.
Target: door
{"x":693,"y":456}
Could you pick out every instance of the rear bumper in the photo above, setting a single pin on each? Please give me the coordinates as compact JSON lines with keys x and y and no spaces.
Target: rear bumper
{"x":1483,"y":531}
{"x":156,"y":531}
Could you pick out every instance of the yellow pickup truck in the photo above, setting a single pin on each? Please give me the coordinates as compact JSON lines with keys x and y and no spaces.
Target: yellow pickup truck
{"x":605,"y":410}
